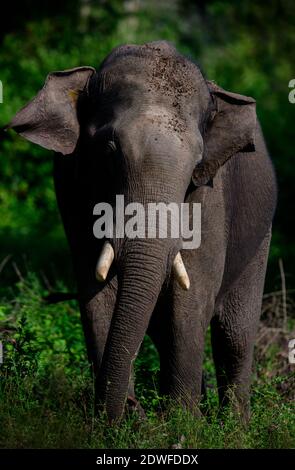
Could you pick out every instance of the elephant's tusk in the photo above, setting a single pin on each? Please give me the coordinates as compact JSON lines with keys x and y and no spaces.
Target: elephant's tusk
{"x":104,"y":262}
{"x":180,"y":272}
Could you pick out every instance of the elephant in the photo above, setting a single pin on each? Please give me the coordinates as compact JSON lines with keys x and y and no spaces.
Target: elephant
{"x":148,"y":125}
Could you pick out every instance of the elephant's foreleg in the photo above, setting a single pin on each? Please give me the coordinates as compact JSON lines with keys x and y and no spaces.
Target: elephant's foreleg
{"x":96,"y":315}
{"x":179,"y":338}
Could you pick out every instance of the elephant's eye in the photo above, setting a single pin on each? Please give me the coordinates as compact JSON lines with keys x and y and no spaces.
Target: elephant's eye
{"x":104,"y":138}
{"x":111,"y":146}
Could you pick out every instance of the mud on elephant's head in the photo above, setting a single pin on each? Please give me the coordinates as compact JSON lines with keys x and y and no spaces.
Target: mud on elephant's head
{"x":149,"y":126}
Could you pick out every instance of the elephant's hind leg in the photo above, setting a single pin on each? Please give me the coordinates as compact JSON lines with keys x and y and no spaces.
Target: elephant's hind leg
{"x":233,"y":332}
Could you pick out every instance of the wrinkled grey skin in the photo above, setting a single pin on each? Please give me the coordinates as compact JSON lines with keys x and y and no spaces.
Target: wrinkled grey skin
{"x":149,"y":126}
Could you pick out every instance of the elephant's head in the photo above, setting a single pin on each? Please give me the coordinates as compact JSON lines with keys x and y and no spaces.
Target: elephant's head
{"x":154,"y":127}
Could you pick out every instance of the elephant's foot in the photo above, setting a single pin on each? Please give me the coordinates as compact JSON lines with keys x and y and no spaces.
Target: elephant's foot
{"x":241,"y":409}
{"x":236,"y":403}
{"x":134,"y":407}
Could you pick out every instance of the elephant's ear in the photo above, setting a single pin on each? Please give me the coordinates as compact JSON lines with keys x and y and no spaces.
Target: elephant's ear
{"x":50,"y":119}
{"x":231,"y":130}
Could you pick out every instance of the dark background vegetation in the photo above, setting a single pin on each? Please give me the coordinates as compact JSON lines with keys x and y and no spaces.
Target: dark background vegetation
{"x":246,"y":47}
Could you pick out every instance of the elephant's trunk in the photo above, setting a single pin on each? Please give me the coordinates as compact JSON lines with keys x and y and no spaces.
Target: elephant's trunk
{"x":142,"y":271}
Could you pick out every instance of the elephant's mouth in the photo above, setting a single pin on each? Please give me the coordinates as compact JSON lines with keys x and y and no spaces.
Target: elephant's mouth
{"x":106,"y":259}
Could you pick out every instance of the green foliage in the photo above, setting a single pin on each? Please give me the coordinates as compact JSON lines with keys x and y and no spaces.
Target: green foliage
{"x":46,"y":385}
{"x":46,"y":391}
{"x":46,"y":338}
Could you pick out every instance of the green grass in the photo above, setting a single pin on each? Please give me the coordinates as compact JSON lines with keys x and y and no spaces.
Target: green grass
{"x":47,"y":391}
